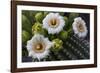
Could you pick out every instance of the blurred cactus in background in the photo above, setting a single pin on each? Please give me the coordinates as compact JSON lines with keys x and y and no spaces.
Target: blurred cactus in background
{"x":25,"y":36}
{"x":66,"y":44}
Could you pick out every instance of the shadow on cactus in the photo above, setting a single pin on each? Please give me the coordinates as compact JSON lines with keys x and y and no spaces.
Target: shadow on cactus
{"x":55,"y":36}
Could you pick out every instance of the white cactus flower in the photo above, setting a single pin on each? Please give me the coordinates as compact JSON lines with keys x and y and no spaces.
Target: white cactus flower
{"x":53,"y":23}
{"x":38,"y":47}
{"x":79,"y":27}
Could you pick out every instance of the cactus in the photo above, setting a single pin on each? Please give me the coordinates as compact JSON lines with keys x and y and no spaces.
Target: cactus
{"x":72,"y":50}
{"x":68,"y":46}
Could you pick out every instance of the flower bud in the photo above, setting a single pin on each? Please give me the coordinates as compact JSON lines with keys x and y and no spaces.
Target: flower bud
{"x":36,"y":28}
{"x":63,"y":35}
{"x":39,"y":17}
{"x":57,"y":44}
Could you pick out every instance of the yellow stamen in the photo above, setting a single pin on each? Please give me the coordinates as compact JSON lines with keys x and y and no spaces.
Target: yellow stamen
{"x":54,"y":22}
{"x":39,"y":48}
{"x":80,"y":28}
